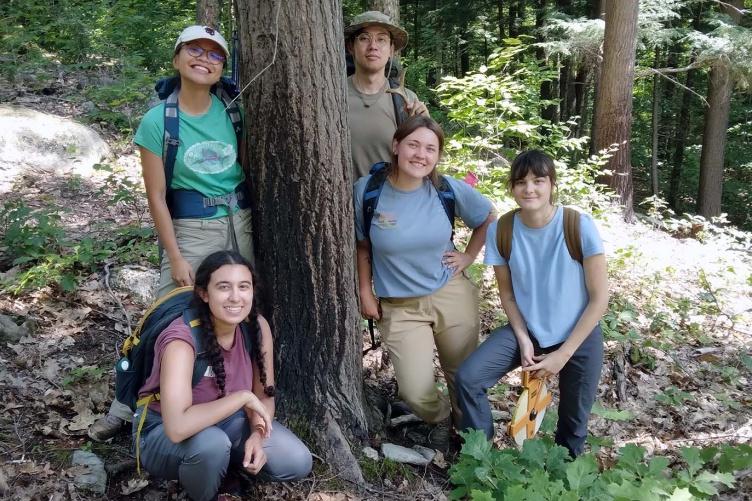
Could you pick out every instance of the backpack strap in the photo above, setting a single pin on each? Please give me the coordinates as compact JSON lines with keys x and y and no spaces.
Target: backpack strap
{"x":400,"y":114}
{"x":171,"y":138}
{"x":572,"y":233}
{"x":190,"y":317}
{"x":225,"y":90}
{"x":371,"y":194}
{"x":446,"y":196}
{"x":504,"y":231}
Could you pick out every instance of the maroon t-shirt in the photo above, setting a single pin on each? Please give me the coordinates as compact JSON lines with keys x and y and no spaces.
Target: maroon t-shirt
{"x":238,"y":368}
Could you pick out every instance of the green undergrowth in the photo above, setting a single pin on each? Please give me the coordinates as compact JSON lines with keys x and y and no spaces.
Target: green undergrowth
{"x":543,"y":470}
{"x":35,"y":241}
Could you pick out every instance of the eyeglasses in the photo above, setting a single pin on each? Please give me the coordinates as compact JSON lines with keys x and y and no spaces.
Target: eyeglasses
{"x":213,"y":56}
{"x":379,"y":40}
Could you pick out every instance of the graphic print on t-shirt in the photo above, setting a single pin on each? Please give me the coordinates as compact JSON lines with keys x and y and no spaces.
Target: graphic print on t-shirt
{"x":209,"y":157}
{"x":209,"y":372}
{"x":386,"y":220}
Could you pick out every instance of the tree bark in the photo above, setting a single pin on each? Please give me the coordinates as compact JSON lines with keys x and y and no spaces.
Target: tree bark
{"x":208,"y":12}
{"x":389,"y":7}
{"x":301,"y":184}
{"x":720,"y":85}
{"x":656,"y":120}
{"x":714,"y":141}
{"x":614,"y":105}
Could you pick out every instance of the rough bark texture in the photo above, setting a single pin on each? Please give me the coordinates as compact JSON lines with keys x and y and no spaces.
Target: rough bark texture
{"x":388,"y":7}
{"x":614,"y":104}
{"x":720,"y":85}
{"x":303,"y":217}
{"x":714,"y":141}
{"x":208,"y":12}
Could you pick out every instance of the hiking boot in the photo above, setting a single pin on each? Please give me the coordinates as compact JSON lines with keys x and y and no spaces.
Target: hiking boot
{"x":105,"y":428}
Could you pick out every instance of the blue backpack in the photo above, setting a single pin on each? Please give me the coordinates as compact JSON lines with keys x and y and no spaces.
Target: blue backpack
{"x":191,"y":203}
{"x":375,"y":184}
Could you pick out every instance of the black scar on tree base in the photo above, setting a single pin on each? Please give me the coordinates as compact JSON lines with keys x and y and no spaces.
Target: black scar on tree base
{"x":301,"y":184}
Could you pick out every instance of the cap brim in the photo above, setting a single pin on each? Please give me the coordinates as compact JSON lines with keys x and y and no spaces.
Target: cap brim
{"x":399,"y":36}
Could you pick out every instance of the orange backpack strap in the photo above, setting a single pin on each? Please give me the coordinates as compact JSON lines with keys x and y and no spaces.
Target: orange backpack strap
{"x":572,"y":233}
{"x":504,"y":231}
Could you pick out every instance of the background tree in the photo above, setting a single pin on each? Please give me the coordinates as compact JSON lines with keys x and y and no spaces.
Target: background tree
{"x":209,"y":12}
{"x":303,"y":231}
{"x":389,"y":7}
{"x":720,"y":86}
{"x":614,"y":101}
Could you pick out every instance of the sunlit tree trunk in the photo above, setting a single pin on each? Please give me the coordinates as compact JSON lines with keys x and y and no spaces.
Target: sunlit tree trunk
{"x":389,"y":7}
{"x":208,"y":12}
{"x":301,"y":184}
{"x":614,"y":105}
{"x":720,"y":85}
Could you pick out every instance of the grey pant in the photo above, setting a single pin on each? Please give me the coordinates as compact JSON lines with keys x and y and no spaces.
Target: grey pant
{"x":201,"y":461}
{"x":500,"y":354}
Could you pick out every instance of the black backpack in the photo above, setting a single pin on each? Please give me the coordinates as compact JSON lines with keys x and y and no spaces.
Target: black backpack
{"x":134,"y":367}
{"x":393,"y":77}
{"x":375,"y":184}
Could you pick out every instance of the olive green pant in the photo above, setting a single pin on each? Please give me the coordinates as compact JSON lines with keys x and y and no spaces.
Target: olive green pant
{"x":410,"y":327}
{"x":197,"y":238}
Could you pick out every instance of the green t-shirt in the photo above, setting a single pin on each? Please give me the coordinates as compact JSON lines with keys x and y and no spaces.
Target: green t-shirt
{"x":207,"y":159}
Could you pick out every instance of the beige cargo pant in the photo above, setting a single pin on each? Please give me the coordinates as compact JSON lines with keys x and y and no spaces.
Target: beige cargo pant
{"x":410,"y":327}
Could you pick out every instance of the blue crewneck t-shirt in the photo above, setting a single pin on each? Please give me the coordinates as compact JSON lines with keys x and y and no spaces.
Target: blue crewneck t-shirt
{"x":549,"y":286}
{"x":410,"y":233}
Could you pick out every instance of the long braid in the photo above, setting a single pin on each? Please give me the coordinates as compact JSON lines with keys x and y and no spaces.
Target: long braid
{"x":258,"y":355}
{"x":213,"y":350}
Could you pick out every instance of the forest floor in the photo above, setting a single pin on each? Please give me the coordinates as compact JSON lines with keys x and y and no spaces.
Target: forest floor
{"x":677,"y":369}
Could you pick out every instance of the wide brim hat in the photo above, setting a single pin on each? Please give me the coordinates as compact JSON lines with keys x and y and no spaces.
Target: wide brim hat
{"x":198,"y":32}
{"x":376,"y":18}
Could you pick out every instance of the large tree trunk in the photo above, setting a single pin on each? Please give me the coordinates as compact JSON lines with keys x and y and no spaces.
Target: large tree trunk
{"x":301,"y":184}
{"x":714,"y":141}
{"x":208,"y":12}
{"x":614,"y":106}
{"x":389,"y":7}
{"x":500,"y":12}
{"x":720,"y":85}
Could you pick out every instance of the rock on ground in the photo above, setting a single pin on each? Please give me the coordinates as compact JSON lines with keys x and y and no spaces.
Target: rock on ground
{"x":138,"y":282}
{"x":93,"y":477}
{"x":31,"y":141}
{"x":401,"y":454}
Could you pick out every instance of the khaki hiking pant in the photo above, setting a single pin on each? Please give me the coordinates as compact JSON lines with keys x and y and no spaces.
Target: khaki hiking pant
{"x":197,"y":238}
{"x":410,"y":327}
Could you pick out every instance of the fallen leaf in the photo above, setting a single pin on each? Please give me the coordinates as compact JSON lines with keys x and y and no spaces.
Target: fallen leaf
{"x":133,"y":485}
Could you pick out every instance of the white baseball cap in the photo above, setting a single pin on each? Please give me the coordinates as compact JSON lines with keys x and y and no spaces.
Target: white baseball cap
{"x":198,"y":32}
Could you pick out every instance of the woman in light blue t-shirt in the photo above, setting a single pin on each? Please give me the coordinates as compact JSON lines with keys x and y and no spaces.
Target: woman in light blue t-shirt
{"x":407,"y":260}
{"x":553,"y":302}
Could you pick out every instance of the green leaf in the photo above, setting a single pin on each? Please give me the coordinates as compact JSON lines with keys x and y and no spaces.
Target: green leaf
{"x":476,"y":445}
{"x":477,"y":495}
{"x":534,"y":453}
{"x":611,"y":414}
{"x":691,"y":456}
{"x":735,"y":458}
{"x":682,"y":494}
{"x":631,"y":457}
{"x":581,"y":473}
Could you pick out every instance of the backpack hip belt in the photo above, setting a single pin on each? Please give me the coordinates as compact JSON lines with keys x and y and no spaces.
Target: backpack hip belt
{"x":192,"y":204}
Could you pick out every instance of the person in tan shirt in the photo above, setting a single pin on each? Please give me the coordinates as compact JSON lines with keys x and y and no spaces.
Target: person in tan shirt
{"x":372,"y":40}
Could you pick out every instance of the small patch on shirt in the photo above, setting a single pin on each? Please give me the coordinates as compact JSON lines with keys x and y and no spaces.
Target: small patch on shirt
{"x":386,"y":220}
{"x":209,"y":372}
{"x":210,"y":157}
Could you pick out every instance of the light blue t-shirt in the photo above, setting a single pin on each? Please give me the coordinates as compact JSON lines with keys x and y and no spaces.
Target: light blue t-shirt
{"x":410,"y":232}
{"x":549,"y":286}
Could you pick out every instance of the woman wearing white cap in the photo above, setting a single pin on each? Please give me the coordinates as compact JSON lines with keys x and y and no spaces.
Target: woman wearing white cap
{"x":204,"y":206}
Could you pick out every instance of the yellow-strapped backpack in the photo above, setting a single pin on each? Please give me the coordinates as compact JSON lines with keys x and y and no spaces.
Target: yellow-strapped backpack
{"x":135,"y":365}
{"x":505,"y":231}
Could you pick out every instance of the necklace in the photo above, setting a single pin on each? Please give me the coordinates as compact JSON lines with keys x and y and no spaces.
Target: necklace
{"x":368,"y":100}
